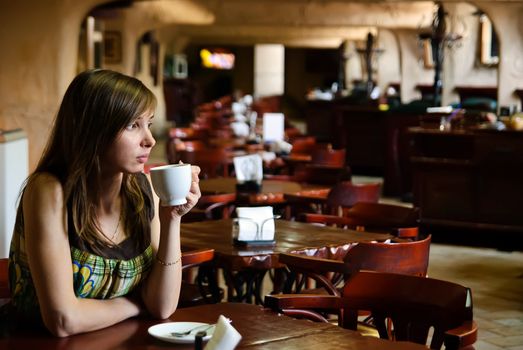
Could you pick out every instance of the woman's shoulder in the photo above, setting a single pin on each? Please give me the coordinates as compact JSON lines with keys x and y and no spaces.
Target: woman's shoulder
{"x":44,"y":186}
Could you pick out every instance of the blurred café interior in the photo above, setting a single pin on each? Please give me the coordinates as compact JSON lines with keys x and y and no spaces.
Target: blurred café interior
{"x":414,"y":105}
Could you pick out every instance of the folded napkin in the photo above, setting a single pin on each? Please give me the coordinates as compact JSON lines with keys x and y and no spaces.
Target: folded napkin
{"x":238,"y":108}
{"x":281,"y":147}
{"x":248,"y":168}
{"x":240,"y":129}
{"x":268,"y":156}
{"x":255,"y":223}
{"x":273,"y":126}
{"x":225,"y":336}
{"x":240,"y":118}
{"x":247,"y":100}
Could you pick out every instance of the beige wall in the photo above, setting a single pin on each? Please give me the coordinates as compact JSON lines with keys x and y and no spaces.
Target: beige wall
{"x":412,"y":70}
{"x":508,"y":21}
{"x":39,"y":49}
{"x":461,"y":65}
{"x":389,"y":61}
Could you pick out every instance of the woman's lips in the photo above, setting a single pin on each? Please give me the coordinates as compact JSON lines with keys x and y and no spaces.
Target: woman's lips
{"x":143,"y":159}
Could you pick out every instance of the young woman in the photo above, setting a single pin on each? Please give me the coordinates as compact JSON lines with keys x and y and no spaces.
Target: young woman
{"x":89,"y":249}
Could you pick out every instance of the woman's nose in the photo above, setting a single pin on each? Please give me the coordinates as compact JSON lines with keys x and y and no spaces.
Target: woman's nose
{"x":148,"y":140}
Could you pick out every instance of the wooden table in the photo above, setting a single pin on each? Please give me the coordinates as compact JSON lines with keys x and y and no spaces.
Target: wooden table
{"x":260,"y":329}
{"x":245,"y":267}
{"x":272,"y":191}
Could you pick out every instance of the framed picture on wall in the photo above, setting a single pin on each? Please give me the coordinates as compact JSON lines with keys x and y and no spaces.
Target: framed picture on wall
{"x":112,"y":47}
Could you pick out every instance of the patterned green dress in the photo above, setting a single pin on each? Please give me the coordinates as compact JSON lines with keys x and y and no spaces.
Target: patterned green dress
{"x":113,"y":272}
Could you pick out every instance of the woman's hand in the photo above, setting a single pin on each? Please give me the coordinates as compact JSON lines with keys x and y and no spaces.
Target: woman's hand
{"x":194,"y":195}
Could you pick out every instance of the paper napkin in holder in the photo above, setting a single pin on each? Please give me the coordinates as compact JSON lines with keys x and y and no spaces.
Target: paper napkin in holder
{"x":225,"y":336}
{"x":273,"y":127}
{"x":254,"y":225}
{"x":249,"y":172}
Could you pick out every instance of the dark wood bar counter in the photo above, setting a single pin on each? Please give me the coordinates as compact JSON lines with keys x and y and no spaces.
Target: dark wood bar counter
{"x":375,"y":140}
{"x":468,"y":178}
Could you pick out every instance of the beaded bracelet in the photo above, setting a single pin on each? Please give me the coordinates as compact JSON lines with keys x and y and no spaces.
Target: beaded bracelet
{"x":168,"y":263}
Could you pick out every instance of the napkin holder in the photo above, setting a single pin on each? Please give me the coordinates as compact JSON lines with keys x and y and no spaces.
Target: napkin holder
{"x":249,"y":173}
{"x":258,"y":239}
{"x":250,"y":186}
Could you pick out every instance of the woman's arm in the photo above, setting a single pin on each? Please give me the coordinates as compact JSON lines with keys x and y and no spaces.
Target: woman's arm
{"x":161,"y":290}
{"x":49,"y":256}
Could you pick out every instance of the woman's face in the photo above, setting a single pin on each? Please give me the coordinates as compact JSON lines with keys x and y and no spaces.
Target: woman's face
{"x":130,"y":150}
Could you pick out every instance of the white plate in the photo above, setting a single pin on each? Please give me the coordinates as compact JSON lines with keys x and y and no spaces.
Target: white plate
{"x":163,"y":331}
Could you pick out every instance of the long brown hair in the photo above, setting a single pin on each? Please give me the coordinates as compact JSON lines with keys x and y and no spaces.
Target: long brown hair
{"x":96,"y":107}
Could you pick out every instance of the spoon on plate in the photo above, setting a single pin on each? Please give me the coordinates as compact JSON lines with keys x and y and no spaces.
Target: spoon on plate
{"x":183,"y":334}
{"x":205,"y":327}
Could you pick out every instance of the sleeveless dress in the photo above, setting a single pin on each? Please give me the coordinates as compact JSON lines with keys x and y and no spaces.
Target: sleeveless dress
{"x":113,"y":272}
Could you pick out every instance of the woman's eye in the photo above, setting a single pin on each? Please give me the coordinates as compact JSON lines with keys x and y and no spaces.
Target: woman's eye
{"x":149,"y":124}
{"x":132,"y":126}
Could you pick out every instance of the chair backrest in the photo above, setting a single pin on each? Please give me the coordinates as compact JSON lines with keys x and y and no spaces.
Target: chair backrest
{"x":414,"y":304}
{"x":404,"y":257}
{"x":411,"y":232}
{"x":213,"y":162}
{"x":188,"y":133}
{"x":328,"y":156}
{"x":321,"y":175}
{"x":196,"y":257}
{"x":346,"y":194}
{"x":212,"y":207}
{"x":217,"y":206}
{"x":4,"y":278}
{"x":409,"y":257}
{"x":304,"y":144}
{"x":378,"y":215}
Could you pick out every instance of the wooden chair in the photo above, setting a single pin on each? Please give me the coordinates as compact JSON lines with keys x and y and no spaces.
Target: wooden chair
{"x":331,"y":272}
{"x":316,"y":174}
{"x":193,"y":294}
{"x":5,"y":293}
{"x":346,"y":194}
{"x":411,"y":304}
{"x":366,"y":216}
{"x":212,"y":207}
{"x":406,"y":257}
{"x":303,"y":145}
{"x":213,"y":162}
{"x":328,"y":156}
{"x":341,"y":196}
{"x":379,"y":215}
{"x":175,"y":146}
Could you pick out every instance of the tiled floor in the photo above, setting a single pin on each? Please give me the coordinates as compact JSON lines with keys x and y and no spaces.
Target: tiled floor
{"x":496,"y":280}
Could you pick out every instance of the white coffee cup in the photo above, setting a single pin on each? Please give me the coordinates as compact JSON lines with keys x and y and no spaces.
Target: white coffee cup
{"x":172,"y":183}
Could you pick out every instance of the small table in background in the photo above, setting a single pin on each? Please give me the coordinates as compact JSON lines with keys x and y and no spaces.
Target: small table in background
{"x":245,"y":267}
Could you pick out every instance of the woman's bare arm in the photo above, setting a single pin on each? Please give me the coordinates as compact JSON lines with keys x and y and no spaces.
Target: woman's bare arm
{"x":50,"y":262}
{"x":161,"y":291}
